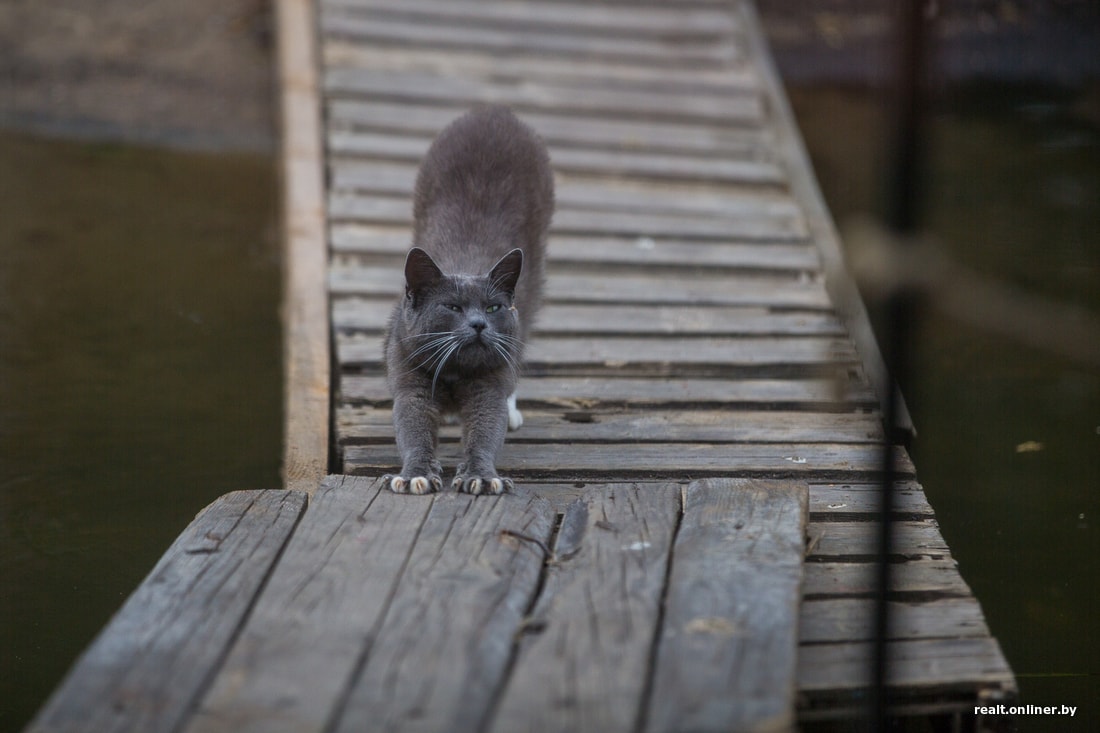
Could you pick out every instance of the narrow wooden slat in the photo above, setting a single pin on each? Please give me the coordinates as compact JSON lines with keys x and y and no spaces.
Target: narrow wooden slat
{"x":396,"y":178}
{"x":403,"y":34}
{"x":636,"y":252}
{"x":726,"y":660}
{"x":660,"y":461}
{"x":417,"y":87}
{"x":358,"y":314}
{"x":672,"y":288}
{"x":655,"y":166}
{"x":586,"y":393}
{"x":915,"y":577}
{"x":835,"y":541}
{"x":576,"y":17}
{"x":936,"y":665}
{"x":842,"y":502}
{"x":749,"y":226}
{"x":443,"y":649}
{"x":306,"y":357}
{"x":373,"y":425}
{"x":560,"y":353}
{"x":559,"y":129}
{"x":146,"y":668}
{"x":853,"y":620}
{"x":581,"y":662}
{"x":321,"y":609}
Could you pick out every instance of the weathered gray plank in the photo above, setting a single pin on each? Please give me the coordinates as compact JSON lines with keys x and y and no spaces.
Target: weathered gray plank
{"x":360,"y":314}
{"x":374,"y":425}
{"x":671,"y":288}
{"x":404,"y":33}
{"x":577,"y":17}
{"x":756,"y":226}
{"x":147,"y":667}
{"x":559,"y":129}
{"x":656,"y":461}
{"x":381,"y":241}
{"x":616,"y":352}
{"x":484,"y":64}
{"x":581,"y":665}
{"x":389,"y":177}
{"x":319,"y":613}
{"x":586,"y":393}
{"x":939,"y":578}
{"x":847,"y":619}
{"x":840,"y":502}
{"x":848,"y":541}
{"x":442,"y":651}
{"x":726,"y":658}
{"x":932,"y":664}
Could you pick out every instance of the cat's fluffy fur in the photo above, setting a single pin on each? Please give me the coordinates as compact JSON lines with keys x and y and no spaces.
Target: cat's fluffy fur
{"x":473,"y":283}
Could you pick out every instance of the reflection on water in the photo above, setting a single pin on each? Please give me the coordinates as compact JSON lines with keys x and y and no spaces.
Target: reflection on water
{"x":139,"y":377}
{"x":1009,"y":438}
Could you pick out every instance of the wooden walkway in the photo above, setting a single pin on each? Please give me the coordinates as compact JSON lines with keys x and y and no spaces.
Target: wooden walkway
{"x":690,"y":545}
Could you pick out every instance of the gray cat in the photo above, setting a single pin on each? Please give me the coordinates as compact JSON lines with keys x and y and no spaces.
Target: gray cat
{"x":473,"y":282}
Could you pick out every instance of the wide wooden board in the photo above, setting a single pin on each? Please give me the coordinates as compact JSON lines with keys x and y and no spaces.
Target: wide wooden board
{"x":147,"y":667}
{"x":587,"y":643}
{"x":726,"y":658}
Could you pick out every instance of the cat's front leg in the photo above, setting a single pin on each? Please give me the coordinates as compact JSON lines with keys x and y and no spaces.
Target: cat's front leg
{"x":484,"y":424}
{"x":416,"y":426}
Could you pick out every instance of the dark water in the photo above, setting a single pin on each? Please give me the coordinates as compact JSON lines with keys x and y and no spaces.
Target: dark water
{"x":140,"y":377}
{"x":1009,"y":437}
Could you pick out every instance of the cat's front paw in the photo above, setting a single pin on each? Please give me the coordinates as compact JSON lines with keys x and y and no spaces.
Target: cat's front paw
{"x":414,"y":485}
{"x":469,"y":483}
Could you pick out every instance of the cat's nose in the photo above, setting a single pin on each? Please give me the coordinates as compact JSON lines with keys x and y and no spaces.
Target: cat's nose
{"x":478,"y":324}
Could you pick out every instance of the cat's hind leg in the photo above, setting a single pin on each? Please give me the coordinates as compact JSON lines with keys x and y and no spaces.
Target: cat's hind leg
{"x":515,"y":417}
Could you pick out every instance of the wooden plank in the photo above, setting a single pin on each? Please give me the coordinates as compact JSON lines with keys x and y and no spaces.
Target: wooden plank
{"x":556,"y":320}
{"x":726,"y":658}
{"x":529,"y":42}
{"x":306,"y":358}
{"x":560,"y":129}
{"x":639,"y":252}
{"x":858,"y":541}
{"x":724,"y":353}
{"x":938,"y":665}
{"x":442,"y":651}
{"x":926,"y":578}
{"x":657,"y":166}
{"x":852,"y":619}
{"x":664,"y":461}
{"x":562,"y":97}
{"x":745,"y":226}
{"x":683,"y":23}
{"x":394,"y":180}
{"x":587,"y":393}
{"x":671,"y":289}
{"x":581,"y":663}
{"x":146,"y":668}
{"x":321,"y":610}
{"x":848,"y":502}
{"x":359,"y":425}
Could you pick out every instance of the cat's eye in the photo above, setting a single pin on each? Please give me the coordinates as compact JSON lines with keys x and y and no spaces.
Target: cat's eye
{"x":453,"y":307}
{"x":493,"y":308}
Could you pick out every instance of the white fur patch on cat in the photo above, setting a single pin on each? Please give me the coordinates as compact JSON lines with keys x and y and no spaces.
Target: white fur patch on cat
{"x":515,"y":417}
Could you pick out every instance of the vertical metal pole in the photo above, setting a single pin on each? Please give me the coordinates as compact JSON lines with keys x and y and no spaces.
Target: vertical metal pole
{"x":902,"y":212}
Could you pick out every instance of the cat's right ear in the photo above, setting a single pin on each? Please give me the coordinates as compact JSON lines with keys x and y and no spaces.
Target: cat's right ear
{"x":421,"y":273}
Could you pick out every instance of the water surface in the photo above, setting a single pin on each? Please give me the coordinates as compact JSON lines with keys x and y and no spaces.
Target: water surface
{"x":140,"y":377}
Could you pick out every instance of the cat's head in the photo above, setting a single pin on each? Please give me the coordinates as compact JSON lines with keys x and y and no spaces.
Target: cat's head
{"x":467,"y":322}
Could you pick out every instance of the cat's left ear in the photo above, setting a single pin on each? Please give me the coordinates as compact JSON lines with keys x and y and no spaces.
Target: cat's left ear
{"x":505,"y":273}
